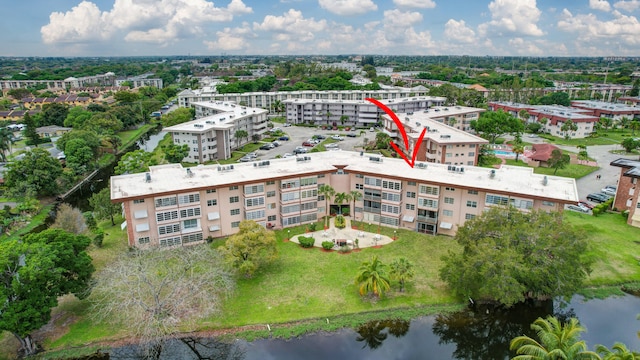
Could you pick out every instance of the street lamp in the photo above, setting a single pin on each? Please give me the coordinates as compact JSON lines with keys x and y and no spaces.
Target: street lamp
{"x":369,"y":226}
{"x":394,"y":235}
{"x":288,"y":235}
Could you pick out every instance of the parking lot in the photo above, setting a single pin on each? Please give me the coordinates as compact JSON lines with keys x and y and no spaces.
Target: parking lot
{"x":297,"y":135}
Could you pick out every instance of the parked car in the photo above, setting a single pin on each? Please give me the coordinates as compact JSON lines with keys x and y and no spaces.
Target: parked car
{"x":245,"y":159}
{"x":585,"y":204}
{"x":337,"y":137}
{"x":598,"y":197}
{"x":331,"y":146}
{"x":319,"y":136}
{"x":351,"y":135}
{"x":609,"y":190}
{"x":268,"y":146}
{"x":578,"y":207}
{"x":300,"y":150}
{"x":308,"y":143}
{"x":275,"y":143}
{"x":283,"y":138}
{"x":287,"y":155}
{"x":287,"y":125}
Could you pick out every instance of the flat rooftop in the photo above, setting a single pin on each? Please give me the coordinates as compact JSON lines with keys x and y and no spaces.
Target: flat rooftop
{"x":601,"y":105}
{"x":365,"y":102}
{"x":228,"y":113}
{"x":436,"y":130}
{"x":508,"y":180}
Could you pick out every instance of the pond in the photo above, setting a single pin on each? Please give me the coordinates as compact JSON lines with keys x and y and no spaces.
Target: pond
{"x":480,"y":333}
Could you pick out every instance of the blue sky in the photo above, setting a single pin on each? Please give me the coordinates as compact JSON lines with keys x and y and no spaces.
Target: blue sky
{"x":273,"y":27}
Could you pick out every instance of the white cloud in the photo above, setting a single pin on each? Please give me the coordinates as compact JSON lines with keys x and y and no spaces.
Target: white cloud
{"x":420,"y":4}
{"x":291,"y":26}
{"x":602,"y":5}
{"x":523,"y":47}
{"x":517,"y":17}
{"x":458,"y":31}
{"x":348,"y":7}
{"x":80,"y":24}
{"x":630,"y":5}
{"x":622,"y":29}
{"x":230,"y":39}
{"x":155,"y":21}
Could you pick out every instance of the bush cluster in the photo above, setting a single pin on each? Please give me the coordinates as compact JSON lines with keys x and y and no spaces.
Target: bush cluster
{"x":306,"y":241}
{"x":327,"y":245}
{"x":340,"y":222}
{"x":602,"y":207}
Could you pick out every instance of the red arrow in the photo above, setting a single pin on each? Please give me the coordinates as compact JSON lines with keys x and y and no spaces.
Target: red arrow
{"x":402,"y":131}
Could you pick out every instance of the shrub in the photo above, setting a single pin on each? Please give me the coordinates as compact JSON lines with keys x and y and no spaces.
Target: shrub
{"x":344,"y":249}
{"x":306,"y":241}
{"x":99,"y":238}
{"x":625,"y":214}
{"x":340,"y":222}
{"x":312,"y":227}
{"x":327,"y":245}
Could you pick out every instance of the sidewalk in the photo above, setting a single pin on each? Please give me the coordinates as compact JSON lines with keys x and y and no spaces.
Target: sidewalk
{"x":365,"y":239}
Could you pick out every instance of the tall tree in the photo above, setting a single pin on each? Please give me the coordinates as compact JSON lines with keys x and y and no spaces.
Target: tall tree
{"x":30,"y":131}
{"x":355,"y":196}
{"x":518,"y":149}
{"x":557,"y":341}
{"x":36,"y":271}
{"x":103,"y":207}
{"x":630,"y":144}
{"x":493,"y":124}
{"x":70,"y":219}
{"x":35,"y":174}
{"x":239,"y":135}
{"x":342,"y":198}
{"x":175,"y":153}
{"x":401,"y":270}
{"x":136,"y":161}
{"x":251,"y":247}
{"x":558,"y":160}
{"x":6,"y":140}
{"x":150,"y":293}
{"x":619,"y":351}
{"x":372,"y":278}
{"x":327,"y":191}
{"x":178,"y":116}
{"x":568,"y":127}
{"x":79,"y":155}
{"x":54,"y":114}
{"x":509,"y":256}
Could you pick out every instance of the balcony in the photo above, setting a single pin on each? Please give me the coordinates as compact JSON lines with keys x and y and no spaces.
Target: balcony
{"x":431,"y":155}
{"x":427,"y":219}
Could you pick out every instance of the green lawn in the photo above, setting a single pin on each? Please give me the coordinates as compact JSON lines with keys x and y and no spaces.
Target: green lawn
{"x":309,"y":286}
{"x":575,"y":171}
{"x":128,"y":137}
{"x":603,"y":137}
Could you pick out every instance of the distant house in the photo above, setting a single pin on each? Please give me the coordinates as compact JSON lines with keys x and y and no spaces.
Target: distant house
{"x":541,"y":153}
{"x":52,"y":131}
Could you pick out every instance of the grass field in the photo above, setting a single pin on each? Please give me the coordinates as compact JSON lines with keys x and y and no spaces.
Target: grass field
{"x":309,"y":286}
{"x":575,"y":171}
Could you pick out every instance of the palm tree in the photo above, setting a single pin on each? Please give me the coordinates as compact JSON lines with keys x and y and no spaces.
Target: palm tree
{"x":6,"y":139}
{"x":518,"y":149}
{"x":327,"y":191}
{"x":619,"y":351}
{"x":557,"y":341}
{"x":401,"y":270}
{"x":341,"y":198}
{"x":355,"y":196}
{"x":239,"y":135}
{"x":634,"y":125}
{"x":523,"y":114}
{"x":372,"y":278}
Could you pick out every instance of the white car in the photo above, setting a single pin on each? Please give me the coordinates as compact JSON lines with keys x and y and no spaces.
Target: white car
{"x":578,"y":207}
{"x":337,"y":137}
{"x":609,"y":190}
{"x":288,"y":155}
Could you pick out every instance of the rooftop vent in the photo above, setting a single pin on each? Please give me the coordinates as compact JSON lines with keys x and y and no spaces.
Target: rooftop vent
{"x":444,"y":136}
{"x":189,"y":172}
{"x":492,"y":174}
{"x":545,"y":180}
{"x":375,"y":158}
{"x":225,"y":168}
{"x":147,"y":177}
{"x":262,"y":163}
{"x":303,"y":158}
{"x":421,"y":165}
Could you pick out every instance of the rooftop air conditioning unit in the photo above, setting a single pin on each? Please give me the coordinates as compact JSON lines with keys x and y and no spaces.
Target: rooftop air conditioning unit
{"x":147,"y":177}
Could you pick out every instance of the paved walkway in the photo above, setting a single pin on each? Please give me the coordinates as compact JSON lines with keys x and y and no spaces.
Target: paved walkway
{"x":365,"y":239}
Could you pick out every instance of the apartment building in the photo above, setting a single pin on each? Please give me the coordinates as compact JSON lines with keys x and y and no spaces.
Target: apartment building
{"x":212,"y":135}
{"x":606,"y":109}
{"x":627,"y":194}
{"x":172,"y":206}
{"x":267,"y":99}
{"x":552,"y":117}
{"x":442,"y":144}
{"x":360,"y":113}
{"x":107,"y":79}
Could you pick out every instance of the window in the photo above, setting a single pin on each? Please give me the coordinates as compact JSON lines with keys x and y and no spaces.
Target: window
{"x":429,"y":190}
{"x":309,"y":194}
{"x":235,"y":224}
{"x":253,"y":215}
{"x":392,"y":185}
{"x":320,"y":176}
{"x":521,"y":204}
{"x":167,"y":201}
{"x":390,"y":196}
{"x":290,"y":196}
{"x":309,"y":181}
{"x":271,"y":218}
{"x":428,"y":203}
{"x":189,"y":212}
{"x":212,"y":202}
{"x":143,"y":240}
{"x":271,"y":182}
{"x":411,"y":194}
{"x":359,"y":186}
{"x":372,"y":181}
{"x":290,"y":209}
{"x":234,"y":199}
{"x":235,"y":211}
{"x":469,"y":216}
{"x":472,"y":146}
{"x":257,"y":201}
{"x":497,"y":200}
{"x":191,"y":238}
{"x":548,"y":203}
{"x":447,"y":212}
{"x":167,"y":215}
{"x":271,"y":194}
{"x":168,"y":229}
{"x":211,"y":191}
{"x":138,"y":201}
{"x":472,"y":154}
{"x":450,"y":189}
{"x":292,"y":184}
{"x":190,"y":224}
{"x":411,"y":183}
{"x":253,"y":189}
{"x":472,"y":192}
{"x":448,"y":200}
{"x":359,"y":176}
{"x":449,"y":146}
{"x":170,"y":241}
{"x":390,"y":209}
{"x":190,"y":198}
{"x":472,"y":204}
{"x":308,"y":205}
{"x":410,"y":206}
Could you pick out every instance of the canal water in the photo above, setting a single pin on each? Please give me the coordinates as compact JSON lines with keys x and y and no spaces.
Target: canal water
{"x":480,"y":333}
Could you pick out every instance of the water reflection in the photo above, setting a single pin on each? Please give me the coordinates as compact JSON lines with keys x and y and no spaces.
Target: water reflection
{"x":373,"y":333}
{"x":184,"y":348}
